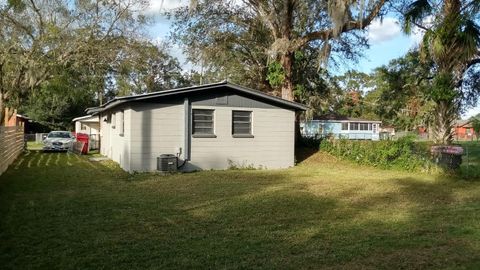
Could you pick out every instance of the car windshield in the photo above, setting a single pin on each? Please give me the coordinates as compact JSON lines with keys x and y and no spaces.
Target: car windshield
{"x":59,"y":135}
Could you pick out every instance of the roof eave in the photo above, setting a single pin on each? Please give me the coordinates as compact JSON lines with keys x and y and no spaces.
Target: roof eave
{"x":117,"y":101}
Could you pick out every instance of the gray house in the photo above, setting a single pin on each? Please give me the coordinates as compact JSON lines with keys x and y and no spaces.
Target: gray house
{"x":212,"y":126}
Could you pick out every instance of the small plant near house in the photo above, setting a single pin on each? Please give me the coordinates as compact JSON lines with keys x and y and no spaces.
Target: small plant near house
{"x":232,"y":165}
{"x":400,"y":154}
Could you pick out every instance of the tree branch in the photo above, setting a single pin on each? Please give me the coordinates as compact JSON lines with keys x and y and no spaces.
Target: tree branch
{"x":39,"y":15}
{"x":348,"y":26}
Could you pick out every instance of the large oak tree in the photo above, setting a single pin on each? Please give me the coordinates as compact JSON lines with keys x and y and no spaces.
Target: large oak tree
{"x":259,"y":32}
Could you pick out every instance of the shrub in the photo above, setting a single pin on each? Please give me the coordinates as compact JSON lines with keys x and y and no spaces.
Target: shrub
{"x":402,"y":153}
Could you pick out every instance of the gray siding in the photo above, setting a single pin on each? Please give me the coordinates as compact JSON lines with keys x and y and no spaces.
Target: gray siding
{"x":271,"y":147}
{"x":152,"y":129}
{"x":229,"y":100}
{"x":156,"y":129}
{"x":112,"y":143}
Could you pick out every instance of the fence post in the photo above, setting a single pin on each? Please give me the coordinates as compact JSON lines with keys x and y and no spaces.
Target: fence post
{"x":468,"y":161}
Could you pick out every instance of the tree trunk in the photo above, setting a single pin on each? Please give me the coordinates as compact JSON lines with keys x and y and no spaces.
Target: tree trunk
{"x":2,"y":109}
{"x":286,"y":60}
{"x":444,"y":118}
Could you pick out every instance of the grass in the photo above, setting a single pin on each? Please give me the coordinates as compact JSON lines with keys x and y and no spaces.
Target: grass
{"x":34,"y":145}
{"x":62,"y":211}
{"x":471,"y":162}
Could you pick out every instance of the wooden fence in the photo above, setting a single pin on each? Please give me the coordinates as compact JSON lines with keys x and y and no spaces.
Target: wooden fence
{"x":11,"y":145}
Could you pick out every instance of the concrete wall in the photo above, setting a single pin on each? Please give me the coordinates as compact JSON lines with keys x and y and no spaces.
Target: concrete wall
{"x":156,"y":129}
{"x":271,"y":147}
{"x":114,"y":144}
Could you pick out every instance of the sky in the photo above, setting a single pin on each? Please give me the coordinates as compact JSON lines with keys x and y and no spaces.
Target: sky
{"x":387,"y":41}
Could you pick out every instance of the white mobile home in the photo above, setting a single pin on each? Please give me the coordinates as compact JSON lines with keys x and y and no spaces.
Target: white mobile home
{"x":341,"y":127}
{"x":212,"y":126}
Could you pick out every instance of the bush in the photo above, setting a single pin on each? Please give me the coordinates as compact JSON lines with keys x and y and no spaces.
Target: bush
{"x":401,"y":154}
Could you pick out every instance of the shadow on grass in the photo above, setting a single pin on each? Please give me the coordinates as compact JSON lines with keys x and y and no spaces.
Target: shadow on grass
{"x":418,"y":225}
{"x":303,"y":153}
{"x":75,"y":214}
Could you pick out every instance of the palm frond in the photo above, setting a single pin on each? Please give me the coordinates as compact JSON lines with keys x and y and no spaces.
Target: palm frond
{"x":468,"y":40}
{"x":416,"y":12}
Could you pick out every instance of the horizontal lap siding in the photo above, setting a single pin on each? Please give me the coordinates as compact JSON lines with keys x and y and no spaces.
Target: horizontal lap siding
{"x":271,"y":147}
{"x":12,"y":144}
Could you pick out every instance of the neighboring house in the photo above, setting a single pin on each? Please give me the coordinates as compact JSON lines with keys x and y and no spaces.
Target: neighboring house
{"x":341,"y":127}
{"x":463,"y":130}
{"x":89,"y":125}
{"x":386,"y":132}
{"x":13,"y":119}
{"x":214,"y":126}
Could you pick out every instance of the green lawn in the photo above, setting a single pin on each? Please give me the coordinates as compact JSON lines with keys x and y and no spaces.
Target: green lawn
{"x":34,"y":146}
{"x":471,"y":159}
{"x":62,"y":211}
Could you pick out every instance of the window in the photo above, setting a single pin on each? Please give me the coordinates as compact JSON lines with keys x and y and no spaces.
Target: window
{"x":202,"y":122}
{"x":363,"y":126}
{"x":345,"y":126}
{"x":353,"y":126}
{"x":242,"y":123}
{"x":83,"y":126}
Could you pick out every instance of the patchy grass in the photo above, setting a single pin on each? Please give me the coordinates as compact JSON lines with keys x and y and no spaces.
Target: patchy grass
{"x":471,"y":159}
{"x":34,"y":146}
{"x":62,"y":211}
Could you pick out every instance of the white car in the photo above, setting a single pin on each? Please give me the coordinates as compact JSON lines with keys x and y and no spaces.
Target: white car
{"x":58,"y":141}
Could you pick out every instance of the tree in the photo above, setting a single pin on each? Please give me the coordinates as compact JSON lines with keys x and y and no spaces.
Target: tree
{"x":148,"y":68}
{"x":60,"y":99}
{"x":402,"y":88}
{"x":37,"y":37}
{"x":354,"y":99}
{"x":313,"y":85}
{"x":476,"y":126}
{"x":260,"y":32}
{"x":237,"y":52}
{"x":355,"y":81}
{"x":451,"y":40}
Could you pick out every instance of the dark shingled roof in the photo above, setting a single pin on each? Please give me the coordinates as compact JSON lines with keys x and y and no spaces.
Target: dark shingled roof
{"x":253,"y":93}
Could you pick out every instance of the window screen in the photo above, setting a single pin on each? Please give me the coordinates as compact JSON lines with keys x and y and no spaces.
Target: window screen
{"x":202,"y":121}
{"x":363,"y":126}
{"x":345,"y":126}
{"x":241,"y":123}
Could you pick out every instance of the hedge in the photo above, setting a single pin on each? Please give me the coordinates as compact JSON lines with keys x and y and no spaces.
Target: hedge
{"x":400,"y":154}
